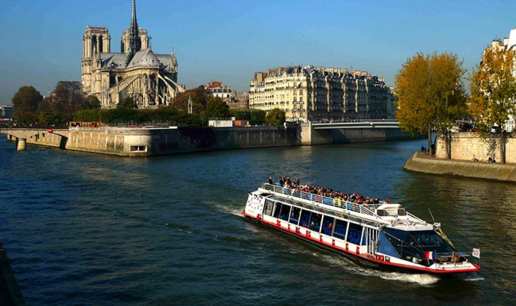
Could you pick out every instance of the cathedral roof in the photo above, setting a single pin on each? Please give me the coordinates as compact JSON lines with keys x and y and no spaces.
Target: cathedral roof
{"x":113,"y":60}
{"x":144,"y":58}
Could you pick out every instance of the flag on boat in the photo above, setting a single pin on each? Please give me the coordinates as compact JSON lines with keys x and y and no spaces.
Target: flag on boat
{"x":476,"y":253}
{"x":429,"y":255}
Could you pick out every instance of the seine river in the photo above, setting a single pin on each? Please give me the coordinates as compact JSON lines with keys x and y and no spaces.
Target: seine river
{"x":85,"y":229}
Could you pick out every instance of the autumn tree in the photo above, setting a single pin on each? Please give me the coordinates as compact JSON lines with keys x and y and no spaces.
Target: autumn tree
{"x":430,"y":95}
{"x":493,"y":94}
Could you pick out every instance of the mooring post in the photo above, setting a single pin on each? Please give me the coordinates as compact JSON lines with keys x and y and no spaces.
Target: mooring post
{"x":21,"y":144}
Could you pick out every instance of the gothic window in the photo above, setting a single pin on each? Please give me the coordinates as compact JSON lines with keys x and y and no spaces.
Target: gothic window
{"x":101,"y":44}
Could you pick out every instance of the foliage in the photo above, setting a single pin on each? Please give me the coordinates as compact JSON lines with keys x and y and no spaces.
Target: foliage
{"x":254,"y":116}
{"x":493,"y":93}
{"x":164,"y":115}
{"x":217,"y":109}
{"x":199,"y":98}
{"x":127,"y":103}
{"x":26,"y":103}
{"x":493,"y":90}
{"x":430,"y":95}
{"x":91,"y":102}
{"x":257,"y":117}
{"x":275,"y":117}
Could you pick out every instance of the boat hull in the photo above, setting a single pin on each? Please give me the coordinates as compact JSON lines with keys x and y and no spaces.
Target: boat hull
{"x":366,"y":260}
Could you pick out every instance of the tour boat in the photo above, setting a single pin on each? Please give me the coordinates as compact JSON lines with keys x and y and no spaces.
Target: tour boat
{"x":382,"y":235}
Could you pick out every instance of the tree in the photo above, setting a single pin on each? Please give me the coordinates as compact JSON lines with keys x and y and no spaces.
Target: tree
{"x":91,"y":102}
{"x":275,"y":117}
{"x":199,"y":98}
{"x":26,"y":103}
{"x":217,"y":109}
{"x":493,"y":94}
{"x":430,"y":95}
{"x":256,"y":117}
{"x":127,"y":103}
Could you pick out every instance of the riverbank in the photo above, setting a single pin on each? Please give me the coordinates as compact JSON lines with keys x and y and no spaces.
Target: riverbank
{"x":10,"y":294}
{"x":147,"y":142}
{"x":420,"y":162}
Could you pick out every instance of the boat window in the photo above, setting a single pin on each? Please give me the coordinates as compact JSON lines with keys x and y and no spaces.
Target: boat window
{"x":268,"y":208}
{"x":340,"y":229}
{"x":305,"y":218}
{"x":415,"y":243}
{"x":315,"y":222}
{"x":277,"y":210}
{"x":294,"y":215}
{"x":327,"y":227}
{"x":355,"y":233}
{"x":285,"y":211}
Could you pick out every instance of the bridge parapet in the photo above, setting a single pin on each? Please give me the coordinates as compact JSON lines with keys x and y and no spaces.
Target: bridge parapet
{"x":359,"y":124}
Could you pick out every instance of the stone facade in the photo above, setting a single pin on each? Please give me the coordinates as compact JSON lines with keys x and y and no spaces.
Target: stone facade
{"x":469,"y":146}
{"x":136,"y":72}
{"x":220,"y":90}
{"x":315,"y":94}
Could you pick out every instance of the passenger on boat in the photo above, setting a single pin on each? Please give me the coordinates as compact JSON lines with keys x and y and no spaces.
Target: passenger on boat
{"x":295,"y":184}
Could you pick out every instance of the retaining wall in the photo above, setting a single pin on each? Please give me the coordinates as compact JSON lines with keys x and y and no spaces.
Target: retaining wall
{"x":141,"y":142}
{"x":422,"y":163}
{"x":470,"y":146}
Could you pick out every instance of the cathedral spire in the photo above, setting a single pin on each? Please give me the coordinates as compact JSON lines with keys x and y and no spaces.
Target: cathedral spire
{"x":135,"y":43}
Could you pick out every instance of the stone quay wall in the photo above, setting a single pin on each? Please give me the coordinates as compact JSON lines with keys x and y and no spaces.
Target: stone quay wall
{"x":420,"y":162}
{"x":470,"y":146}
{"x":143,"y":142}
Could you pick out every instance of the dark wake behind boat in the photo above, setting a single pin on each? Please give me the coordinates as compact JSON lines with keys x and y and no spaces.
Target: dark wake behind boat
{"x":382,"y":235}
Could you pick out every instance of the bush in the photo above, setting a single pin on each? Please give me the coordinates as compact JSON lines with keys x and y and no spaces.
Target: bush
{"x":275,"y":117}
{"x":256,"y":117}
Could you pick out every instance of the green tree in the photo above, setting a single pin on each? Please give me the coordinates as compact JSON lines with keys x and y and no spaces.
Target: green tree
{"x":430,"y":95}
{"x":127,"y":103}
{"x":26,"y":103}
{"x":91,"y":102}
{"x":275,"y":117}
{"x":493,"y":94}
{"x":256,"y":117}
{"x":217,"y":109}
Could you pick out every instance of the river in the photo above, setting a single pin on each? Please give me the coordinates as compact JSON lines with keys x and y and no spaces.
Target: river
{"x":85,"y":229}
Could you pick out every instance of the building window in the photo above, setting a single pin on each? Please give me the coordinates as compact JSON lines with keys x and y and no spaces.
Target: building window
{"x":138,"y":148}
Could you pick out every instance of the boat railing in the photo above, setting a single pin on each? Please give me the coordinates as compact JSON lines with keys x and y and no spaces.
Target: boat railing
{"x":415,"y":218}
{"x":335,"y":202}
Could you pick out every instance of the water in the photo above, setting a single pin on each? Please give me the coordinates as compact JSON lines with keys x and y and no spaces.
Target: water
{"x":87,"y":229}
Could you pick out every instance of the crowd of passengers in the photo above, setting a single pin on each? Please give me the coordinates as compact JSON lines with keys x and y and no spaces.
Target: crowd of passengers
{"x":295,"y":184}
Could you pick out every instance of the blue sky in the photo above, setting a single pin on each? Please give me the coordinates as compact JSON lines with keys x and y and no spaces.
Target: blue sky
{"x":229,"y":40}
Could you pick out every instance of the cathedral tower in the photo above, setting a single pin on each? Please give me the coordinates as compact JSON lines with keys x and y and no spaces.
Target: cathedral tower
{"x":95,"y":41}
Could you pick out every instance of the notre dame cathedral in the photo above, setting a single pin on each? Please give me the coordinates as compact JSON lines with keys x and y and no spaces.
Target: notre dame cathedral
{"x":136,"y":72}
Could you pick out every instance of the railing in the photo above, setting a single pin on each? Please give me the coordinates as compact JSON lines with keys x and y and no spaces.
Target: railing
{"x":335,"y":202}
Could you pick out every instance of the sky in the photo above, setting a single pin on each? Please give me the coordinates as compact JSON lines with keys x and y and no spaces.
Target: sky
{"x":230,"y":40}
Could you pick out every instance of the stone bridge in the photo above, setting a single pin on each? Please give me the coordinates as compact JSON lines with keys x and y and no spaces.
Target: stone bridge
{"x":317,"y":133}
